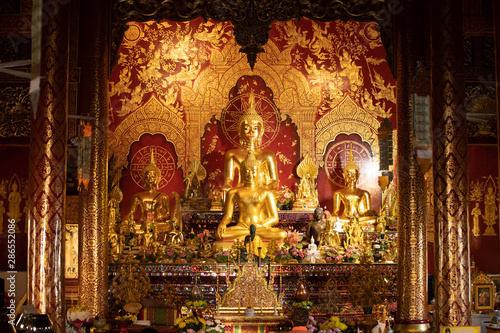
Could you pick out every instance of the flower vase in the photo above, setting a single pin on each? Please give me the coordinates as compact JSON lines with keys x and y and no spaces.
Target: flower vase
{"x":368,"y":322}
{"x":123,"y":325}
{"x":78,"y":324}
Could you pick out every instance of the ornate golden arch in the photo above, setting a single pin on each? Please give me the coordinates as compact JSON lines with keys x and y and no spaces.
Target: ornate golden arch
{"x":152,"y":118}
{"x":210,"y":92}
{"x":346,"y":118}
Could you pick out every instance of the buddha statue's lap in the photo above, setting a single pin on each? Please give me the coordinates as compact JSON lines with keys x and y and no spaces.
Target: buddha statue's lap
{"x":252,"y":200}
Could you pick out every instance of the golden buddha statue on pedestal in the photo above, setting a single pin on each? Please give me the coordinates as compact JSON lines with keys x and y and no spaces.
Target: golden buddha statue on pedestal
{"x":355,"y":201}
{"x":250,"y":130}
{"x":192,"y":197}
{"x":154,"y":205}
{"x":251,"y":200}
{"x":307,"y":195}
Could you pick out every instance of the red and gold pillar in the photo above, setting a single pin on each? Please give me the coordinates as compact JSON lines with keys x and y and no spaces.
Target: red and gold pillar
{"x":450,"y":168}
{"x":47,"y":177}
{"x":412,"y":233}
{"x":93,"y":102}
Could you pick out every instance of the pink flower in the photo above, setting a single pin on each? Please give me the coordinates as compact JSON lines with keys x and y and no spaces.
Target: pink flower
{"x":182,"y":255}
{"x":328,"y":259}
{"x":282,"y":199}
{"x":287,"y":195}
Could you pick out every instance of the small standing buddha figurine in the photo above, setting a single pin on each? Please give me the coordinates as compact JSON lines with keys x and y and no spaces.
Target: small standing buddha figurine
{"x":356,"y":202}
{"x":154,"y":205}
{"x":251,"y":200}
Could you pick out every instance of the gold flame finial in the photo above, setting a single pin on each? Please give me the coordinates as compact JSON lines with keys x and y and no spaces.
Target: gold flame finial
{"x":251,"y":114}
{"x":350,"y":164}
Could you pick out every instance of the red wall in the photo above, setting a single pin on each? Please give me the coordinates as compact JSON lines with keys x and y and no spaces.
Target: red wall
{"x":483,"y":170}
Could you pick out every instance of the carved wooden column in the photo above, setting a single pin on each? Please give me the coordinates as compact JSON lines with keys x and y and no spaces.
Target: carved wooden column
{"x":412,"y":232}
{"x":47,"y":177}
{"x":450,"y":166}
{"x":93,"y":101}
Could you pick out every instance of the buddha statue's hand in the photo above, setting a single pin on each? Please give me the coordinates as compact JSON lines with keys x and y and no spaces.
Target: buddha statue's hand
{"x":221,"y":229}
{"x":226,"y":187}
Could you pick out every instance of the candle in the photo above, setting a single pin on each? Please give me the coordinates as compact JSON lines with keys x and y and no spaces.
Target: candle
{"x":260,"y":306}
{"x":239,"y":304}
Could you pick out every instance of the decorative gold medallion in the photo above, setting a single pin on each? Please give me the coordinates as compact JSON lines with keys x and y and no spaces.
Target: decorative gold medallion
{"x":337,"y":157}
{"x":263,"y":106}
{"x":163,"y":160}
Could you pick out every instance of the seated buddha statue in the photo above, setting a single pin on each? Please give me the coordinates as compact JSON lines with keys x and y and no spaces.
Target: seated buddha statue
{"x":251,"y":200}
{"x":307,"y":195}
{"x":330,"y":237}
{"x":356,"y":202}
{"x":154,"y":205}
{"x":250,"y":131}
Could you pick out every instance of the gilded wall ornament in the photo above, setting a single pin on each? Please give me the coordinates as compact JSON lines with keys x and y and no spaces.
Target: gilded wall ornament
{"x":15,"y":112}
{"x":490,"y":206}
{"x":337,"y":157}
{"x":484,"y":194}
{"x":163,"y":160}
{"x":346,"y":118}
{"x":263,"y":106}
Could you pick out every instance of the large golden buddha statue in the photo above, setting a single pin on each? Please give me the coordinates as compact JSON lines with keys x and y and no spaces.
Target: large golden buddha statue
{"x":250,"y":130}
{"x":251,"y":199}
{"x":356,"y":202}
{"x":154,"y":205}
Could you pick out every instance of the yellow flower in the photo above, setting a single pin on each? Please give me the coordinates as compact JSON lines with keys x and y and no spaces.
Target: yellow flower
{"x":182,"y":325}
{"x":178,"y":321}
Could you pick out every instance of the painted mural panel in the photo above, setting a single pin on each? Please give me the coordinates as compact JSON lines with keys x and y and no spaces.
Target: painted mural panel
{"x":483,"y":207}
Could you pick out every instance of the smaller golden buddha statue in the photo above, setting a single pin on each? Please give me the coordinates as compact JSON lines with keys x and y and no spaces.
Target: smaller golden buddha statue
{"x":154,"y":205}
{"x":307,"y":195}
{"x":251,"y":200}
{"x":114,"y":246}
{"x":175,"y":237}
{"x":192,"y":197}
{"x":356,"y":202}
{"x":215,"y":197}
{"x":206,"y":253}
{"x":330,"y":237}
{"x":353,"y":233}
{"x":390,"y":255}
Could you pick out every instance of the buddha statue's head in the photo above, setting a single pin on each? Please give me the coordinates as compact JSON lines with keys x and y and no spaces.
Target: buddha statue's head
{"x":151,"y":174}
{"x":251,"y":125}
{"x":351,"y":170}
{"x":250,"y":168}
